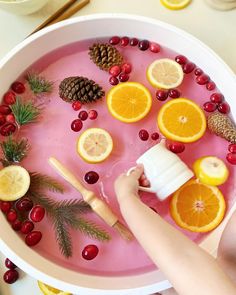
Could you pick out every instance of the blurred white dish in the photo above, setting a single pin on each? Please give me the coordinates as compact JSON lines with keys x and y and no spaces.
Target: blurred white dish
{"x":22,"y":7}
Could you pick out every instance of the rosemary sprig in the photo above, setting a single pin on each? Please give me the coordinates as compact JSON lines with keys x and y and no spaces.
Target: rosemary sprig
{"x":25,"y":112}
{"x":39,"y":84}
{"x":63,"y":237}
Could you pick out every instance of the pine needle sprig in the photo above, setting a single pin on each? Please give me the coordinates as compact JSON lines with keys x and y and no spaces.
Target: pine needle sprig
{"x":63,"y":237}
{"x":40,"y":181}
{"x":40,"y":198}
{"x":75,"y":206}
{"x":39,"y":84}
{"x":25,"y":112}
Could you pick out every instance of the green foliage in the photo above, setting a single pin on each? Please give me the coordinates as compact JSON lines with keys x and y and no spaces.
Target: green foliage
{"x":39,"y":84}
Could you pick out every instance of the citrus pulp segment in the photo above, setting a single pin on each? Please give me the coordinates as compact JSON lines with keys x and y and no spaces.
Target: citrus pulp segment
{"x":175,"y":4}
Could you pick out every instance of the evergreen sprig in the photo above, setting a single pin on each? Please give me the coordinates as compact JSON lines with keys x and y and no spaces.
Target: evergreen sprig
{"x":40,"y":181}
{"x":39,"y":84}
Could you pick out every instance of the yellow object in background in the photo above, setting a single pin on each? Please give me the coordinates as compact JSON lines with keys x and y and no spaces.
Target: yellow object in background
{"x":175,"y":4}
{"x":47,"y":290}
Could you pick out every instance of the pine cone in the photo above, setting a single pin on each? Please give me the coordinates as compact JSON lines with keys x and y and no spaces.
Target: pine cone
{"x":80,"y":88}
{"x":222,"y":126}
{"x":105,"y":56}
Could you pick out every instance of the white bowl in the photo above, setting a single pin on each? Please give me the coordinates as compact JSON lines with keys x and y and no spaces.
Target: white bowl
{"x":22,"y":7}
{"x":69,"y":31}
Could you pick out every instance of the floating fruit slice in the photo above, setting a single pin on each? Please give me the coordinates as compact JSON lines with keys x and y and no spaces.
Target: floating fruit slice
{"x":95,"y":145}
{"x":165,"y":73}
{"x":47,"y":290}
{"x":14,"y":183}
{"x":175,"y":4}
{"x":197,"y":207}
{"x":211,"y":170}
{"x":181,"y":120}
{"x":129,"y":102}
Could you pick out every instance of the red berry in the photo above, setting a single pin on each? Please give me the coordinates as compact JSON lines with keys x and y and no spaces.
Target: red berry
{"x":188,"y":67}
{"x":176,"y":147}
{"x":12,"y":215}
{"x":9,"y":264}
{"x":217,"y":97}
{"x":123,"y":77}
{"x":10,"y":118}
{"x":27,"y":227}
{"x":198,"y":72}
{"x":2,"y":119}
{"x":232,"y":148}
{"x":24,"y":204}
{"x":7,"y":129}
{"x":90,"y":252}
{"x":114,"y":40}
{"x":113,"y":80}
{"x":83,"y":115}
{"x":143,"y":135}
{"x":92,"y":114}
{"x":33,"y":238}
{"x":181,"y":59}
{"x":133,"y":42}
{"x":16,"y":225}
{"x":154,"y":47}
{"x":231,"y":158}
{"x":223,"y":107}
{"x":37,"y":213}
{"x":143,"y":45}
{"x":202,"y":79}
{"x":124,"y":41}
{"x":155,"y":136}
{"x":4,"y":109}
{"x":76,"y":125}
{"x":9,"y":98}
{"x":5,"y":206}
{"x":174,"y":93}
{"x":126,"y":68}
{"x":210,"y":86}
{"x":18,"y":87}
{"x":76,"y":105}
{"x":11,"y":276}
{"x":161,"y":94}
{"x":209,"y":106}
{"x":91,"y":177}
{"x":115,"y":71}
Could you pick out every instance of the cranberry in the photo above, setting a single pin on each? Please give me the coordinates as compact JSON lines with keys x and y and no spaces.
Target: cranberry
{"x":155,"y":136}
{"x":124,"y":41}
{"x":114,"y":40}
{"x":76,"y":105}
{"x":224,"y":108}
{"x":123,"y":77}
{"x":113,"y":80}
{"x":9,"y":264}
{"x":174,"y":93}
{"x":7,"y":129}
{"x":126,"y":68}
{"x":143,"y":45}
{"x":92,"y":114}
{"x":231,"y":158}
{"x":26,"y":227}
{"x":83,"y":115}
{"x":11,"y":276}
{"x":9,"y":98}
{"x":6,"y":206}
{"x":76,"y":125}
{"x":232,"y":148}
{"x":143,"y":135}
{"x":115,"y":71}
{"x":133,"y":42}
{"x":18,"y":87}
{"x":198,"y":72}
{"x":161,"y":94}
{"x":202,"y":79}
{"x":5,"y":110}
{"x":209,"y":106}
{"x":10,"y":118}
{"x":90,"y":252}
{"x":33,"y":238}
{"x":12,"y":215}
{"x":181,"y":59}
{"x":188,"y":67}
{"x":154,"y":47}
{"x":210,"y":86}
{"x":91,"y":177}
{"x":16,"y":225}
{"x":24,"y":204}
{"x":37,"y":213}
{"x":176,"y":147}
{"x":2,"y":119}
{"x":217,"y":97}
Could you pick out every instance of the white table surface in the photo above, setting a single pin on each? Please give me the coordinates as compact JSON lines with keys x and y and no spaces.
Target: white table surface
{"x":214,"y":28}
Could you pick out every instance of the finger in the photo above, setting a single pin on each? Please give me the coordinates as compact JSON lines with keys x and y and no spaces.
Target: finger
{"x":137,"y":172}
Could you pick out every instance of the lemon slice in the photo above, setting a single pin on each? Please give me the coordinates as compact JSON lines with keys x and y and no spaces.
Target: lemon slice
{"x":95,"y":145}
{"x":165,"y":73}
{"x":175,"y":4}
{"x":47,"y":290}
{"x":14,"y":183}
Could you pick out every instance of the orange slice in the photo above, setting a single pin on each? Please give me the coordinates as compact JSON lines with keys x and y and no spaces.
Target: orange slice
{"x":129,"y":102}
{"x":181,"y":120}
{"x":197,"y":207}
